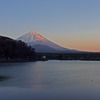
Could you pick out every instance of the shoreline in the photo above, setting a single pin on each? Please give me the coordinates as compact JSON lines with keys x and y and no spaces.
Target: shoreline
{"x":20,"y":60}
{"x":30,"y":60}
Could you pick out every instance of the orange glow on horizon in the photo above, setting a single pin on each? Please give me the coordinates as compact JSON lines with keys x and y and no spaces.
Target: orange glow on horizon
{"x":82,"y":46}
{"x":93,"y":48}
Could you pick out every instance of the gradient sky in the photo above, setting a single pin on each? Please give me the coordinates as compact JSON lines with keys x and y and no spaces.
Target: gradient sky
{"x":71,"y":23}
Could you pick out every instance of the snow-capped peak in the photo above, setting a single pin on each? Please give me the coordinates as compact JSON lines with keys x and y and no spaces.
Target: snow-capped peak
{"x":37,"y":36}
{"x":39,"y":42}
{"x":32,"y":36}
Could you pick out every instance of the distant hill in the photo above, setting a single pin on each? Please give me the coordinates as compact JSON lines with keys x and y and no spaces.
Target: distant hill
{"x":12,"y":49}
{"x":41,"y":44}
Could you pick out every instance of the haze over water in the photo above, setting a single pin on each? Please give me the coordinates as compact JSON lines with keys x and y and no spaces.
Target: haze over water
{"x":51,"y":80}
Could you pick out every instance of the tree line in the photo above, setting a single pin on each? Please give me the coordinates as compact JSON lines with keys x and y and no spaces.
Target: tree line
{"x":12,"y":49}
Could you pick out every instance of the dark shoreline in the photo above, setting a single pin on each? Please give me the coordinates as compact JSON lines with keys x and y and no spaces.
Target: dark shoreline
{"x":15,"y":60}
{"x":56,"y":56}
{"x":23,"y":60}
{"x":20,"y":60}
{"x":82,"y":56}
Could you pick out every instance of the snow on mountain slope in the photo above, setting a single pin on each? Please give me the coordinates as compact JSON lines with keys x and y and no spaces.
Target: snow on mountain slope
{"x":41,"y":44}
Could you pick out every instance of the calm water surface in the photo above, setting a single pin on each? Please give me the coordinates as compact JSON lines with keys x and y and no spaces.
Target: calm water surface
{"x":51,"y":80}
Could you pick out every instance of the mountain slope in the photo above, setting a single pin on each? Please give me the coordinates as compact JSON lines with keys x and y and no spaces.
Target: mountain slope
{"x":41,"y":44}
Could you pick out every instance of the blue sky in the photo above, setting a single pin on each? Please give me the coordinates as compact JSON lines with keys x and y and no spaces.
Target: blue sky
{"x":70,"y":23}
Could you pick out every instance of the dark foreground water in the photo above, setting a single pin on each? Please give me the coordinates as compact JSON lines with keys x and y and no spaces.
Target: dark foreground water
{"x":50,"y":80}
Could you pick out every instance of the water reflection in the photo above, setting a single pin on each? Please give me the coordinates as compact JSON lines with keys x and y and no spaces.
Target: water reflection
{"x":51,"y":80}
{"x":51,"y":74}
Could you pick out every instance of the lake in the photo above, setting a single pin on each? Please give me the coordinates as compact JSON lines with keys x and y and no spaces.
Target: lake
{"x":50,"y":80}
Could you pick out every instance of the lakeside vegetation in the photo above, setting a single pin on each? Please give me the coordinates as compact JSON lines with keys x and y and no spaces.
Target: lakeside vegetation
{"x":15,"y":50}
{"x":88,"y":56}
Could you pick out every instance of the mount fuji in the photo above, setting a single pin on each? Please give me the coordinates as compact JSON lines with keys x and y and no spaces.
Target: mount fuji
{"x":43,"y":45}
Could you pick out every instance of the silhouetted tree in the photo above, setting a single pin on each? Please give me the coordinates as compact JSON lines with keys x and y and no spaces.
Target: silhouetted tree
{"x":10,"y":48}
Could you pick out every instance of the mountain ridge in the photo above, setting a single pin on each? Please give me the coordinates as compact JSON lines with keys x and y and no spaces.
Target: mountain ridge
{"x":39,"y":42}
